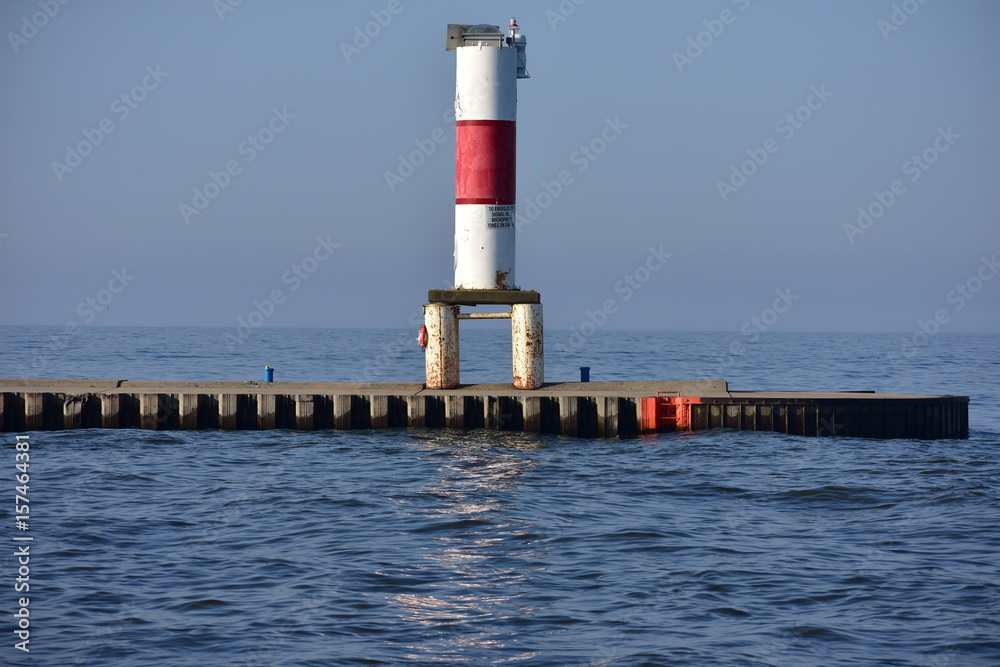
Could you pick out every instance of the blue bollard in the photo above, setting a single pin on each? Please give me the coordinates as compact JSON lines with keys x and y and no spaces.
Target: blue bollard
{"x":268,"y":374}
{"x":584,"y":373}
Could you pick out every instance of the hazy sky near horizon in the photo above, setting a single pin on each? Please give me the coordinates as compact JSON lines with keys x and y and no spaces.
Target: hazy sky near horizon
{"x":827,"y":166}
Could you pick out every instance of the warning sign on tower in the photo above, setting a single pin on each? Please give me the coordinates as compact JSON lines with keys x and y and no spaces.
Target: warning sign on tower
{"x":500,"y":217}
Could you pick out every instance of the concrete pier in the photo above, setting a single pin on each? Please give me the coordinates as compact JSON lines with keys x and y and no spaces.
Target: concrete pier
{"x":593,"y":409}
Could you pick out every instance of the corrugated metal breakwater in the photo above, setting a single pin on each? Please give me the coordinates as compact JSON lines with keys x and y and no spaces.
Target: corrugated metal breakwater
{"x":597,"y":409}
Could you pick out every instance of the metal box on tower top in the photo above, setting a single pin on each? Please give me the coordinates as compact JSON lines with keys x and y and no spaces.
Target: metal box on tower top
{"x":489,"y":64}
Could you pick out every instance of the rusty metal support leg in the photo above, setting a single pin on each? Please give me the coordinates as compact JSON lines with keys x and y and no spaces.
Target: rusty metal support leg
{"x":528,"y":351}
{"x":441,"y":357}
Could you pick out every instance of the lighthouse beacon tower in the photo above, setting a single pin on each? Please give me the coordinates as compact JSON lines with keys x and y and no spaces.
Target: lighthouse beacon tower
{"x":486,"y":154}
{"x":488,"y":65}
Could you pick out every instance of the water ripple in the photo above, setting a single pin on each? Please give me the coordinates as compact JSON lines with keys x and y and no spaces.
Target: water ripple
{"x":423,"y":548}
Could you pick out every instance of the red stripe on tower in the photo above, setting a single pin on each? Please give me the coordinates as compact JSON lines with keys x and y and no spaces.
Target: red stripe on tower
{"x":485,"y":162}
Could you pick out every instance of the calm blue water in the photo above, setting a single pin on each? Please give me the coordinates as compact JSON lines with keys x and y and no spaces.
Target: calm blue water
{"x":444,"y":547}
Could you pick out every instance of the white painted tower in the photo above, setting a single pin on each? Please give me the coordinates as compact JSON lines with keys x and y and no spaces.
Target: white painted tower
{"x":489,"y":63}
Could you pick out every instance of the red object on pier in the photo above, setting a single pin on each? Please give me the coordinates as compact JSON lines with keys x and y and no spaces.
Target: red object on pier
{"x":667,"y":413}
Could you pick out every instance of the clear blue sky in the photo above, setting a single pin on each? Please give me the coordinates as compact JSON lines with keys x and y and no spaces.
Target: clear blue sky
{"x":832,"y":99}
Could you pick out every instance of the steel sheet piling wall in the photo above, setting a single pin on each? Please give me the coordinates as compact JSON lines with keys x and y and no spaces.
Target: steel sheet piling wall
{"x":551,"y":409}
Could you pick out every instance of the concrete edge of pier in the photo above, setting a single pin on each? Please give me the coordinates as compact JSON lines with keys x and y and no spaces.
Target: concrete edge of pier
{"x":112,"y":386}
{"x":593,"y":409}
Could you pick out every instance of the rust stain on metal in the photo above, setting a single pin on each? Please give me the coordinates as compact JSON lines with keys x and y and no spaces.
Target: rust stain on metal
{"x":501,"y":279}
{"x":442,"y":354}
{"x":528,"y":341}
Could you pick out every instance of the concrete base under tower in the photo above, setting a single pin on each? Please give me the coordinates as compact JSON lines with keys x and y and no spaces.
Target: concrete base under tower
{"x":442,"y":358}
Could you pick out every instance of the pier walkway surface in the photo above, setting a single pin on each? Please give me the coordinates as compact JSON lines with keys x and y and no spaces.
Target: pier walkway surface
{"x":585,"y":409}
